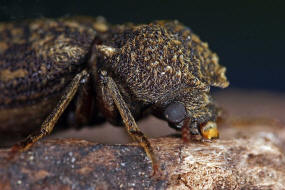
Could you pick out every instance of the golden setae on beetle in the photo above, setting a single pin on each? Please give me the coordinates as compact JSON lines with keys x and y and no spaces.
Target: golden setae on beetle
{"x":88,"y":69}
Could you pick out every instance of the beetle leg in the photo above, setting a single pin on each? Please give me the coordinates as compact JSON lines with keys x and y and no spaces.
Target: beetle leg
{"x":128,"y":119}
{"x":84,"y":105}
{"x":48,"y":125}
{"x":185,"y":131}
{"x":194,"y":131}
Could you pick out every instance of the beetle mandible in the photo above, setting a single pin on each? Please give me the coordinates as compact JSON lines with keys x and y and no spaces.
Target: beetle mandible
{"x":90,"y":69}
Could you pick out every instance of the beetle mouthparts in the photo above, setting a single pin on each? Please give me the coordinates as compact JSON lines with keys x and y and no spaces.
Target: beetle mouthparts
{"x":210,"y":130}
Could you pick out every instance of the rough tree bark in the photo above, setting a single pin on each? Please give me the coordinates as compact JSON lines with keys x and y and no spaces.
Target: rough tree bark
{"x":246,"y":157}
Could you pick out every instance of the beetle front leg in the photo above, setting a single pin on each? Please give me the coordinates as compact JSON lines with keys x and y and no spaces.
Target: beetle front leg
{"x":190,"y":131}
{"x":48,"y":125}
{"x":128,"y":119}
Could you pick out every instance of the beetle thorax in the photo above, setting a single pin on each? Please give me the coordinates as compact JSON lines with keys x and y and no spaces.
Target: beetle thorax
{"x":157,"y":59}
{"x":151,"y":63}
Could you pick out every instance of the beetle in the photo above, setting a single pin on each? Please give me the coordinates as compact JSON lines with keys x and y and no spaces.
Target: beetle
{"x":90,"y":69}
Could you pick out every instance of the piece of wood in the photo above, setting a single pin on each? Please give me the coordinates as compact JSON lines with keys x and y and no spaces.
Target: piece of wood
{"x":244,"y":163}
{"x":248,"y":155}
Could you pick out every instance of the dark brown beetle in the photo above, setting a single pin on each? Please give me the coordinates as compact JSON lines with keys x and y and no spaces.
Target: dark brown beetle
{"x":97,"y":70}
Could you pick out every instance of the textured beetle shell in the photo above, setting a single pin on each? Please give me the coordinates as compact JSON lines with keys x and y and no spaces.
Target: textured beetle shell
{"x":162,"y":58}
{"x":38,"y":58}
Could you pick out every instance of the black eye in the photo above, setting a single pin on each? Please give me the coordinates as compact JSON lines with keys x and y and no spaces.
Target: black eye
{"x":175,"y":112}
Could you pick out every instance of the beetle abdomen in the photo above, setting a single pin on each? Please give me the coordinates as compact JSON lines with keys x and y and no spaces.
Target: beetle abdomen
{"x":38,"y":58}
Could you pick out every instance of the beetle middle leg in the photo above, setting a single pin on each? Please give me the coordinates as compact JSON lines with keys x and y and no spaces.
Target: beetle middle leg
{"x":128,"y":119}
{"x":48,"y":125}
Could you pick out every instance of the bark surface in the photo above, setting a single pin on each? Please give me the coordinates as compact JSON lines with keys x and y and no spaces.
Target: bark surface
{"x":249,"y":155}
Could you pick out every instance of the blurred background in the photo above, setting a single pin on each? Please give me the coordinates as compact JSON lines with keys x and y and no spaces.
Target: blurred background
{"x":249,"y":36}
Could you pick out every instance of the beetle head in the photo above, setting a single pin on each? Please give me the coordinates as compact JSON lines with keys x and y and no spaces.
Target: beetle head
{"x":178,"y":117}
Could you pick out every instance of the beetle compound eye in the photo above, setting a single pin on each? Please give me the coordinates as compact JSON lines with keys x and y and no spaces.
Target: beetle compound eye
{"x":175,"y":112}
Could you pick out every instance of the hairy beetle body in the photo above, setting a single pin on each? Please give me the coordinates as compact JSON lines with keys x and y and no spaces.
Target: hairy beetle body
{"x":90,"y":69}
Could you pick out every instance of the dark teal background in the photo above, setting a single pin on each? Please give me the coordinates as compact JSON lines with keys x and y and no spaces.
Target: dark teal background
{"x":249,"y":36}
